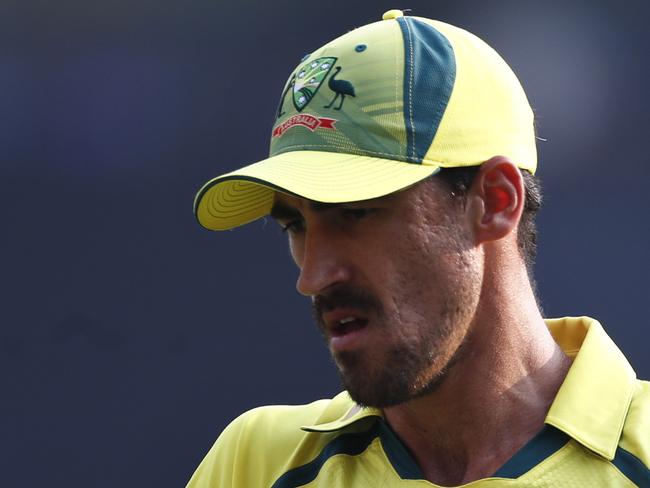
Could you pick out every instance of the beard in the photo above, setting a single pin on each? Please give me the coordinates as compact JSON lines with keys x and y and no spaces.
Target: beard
{"x":413,"y":365}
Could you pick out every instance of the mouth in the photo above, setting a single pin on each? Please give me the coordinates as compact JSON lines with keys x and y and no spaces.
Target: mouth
{"x":346,"y":329}
{"x":348,"y":325}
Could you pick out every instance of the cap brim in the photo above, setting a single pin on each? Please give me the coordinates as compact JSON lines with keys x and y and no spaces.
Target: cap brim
{"x":244,"y":195}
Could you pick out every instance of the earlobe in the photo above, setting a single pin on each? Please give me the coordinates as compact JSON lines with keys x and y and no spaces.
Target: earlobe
{"x":498,"y":195}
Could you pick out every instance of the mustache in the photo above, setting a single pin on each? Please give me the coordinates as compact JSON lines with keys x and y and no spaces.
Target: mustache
{"x":344,"y":296}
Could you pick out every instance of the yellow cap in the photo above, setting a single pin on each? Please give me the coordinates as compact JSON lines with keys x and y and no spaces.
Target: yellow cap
{"x":375,"y":111}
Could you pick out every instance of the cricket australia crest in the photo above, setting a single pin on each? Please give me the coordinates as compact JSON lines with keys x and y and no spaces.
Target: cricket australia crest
{"x":308,"y":80}
{"x":305,"y":82}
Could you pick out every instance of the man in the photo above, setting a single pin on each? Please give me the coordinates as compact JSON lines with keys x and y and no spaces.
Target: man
{"x":401,"y":168}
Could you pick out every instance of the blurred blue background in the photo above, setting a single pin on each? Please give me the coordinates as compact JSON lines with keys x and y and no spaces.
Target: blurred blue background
{"x":130,"y":336}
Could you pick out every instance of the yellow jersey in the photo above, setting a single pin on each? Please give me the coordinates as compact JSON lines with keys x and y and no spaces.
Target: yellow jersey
{"x":596,"y":434}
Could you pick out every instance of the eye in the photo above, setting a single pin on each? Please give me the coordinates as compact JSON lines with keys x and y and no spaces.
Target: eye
{"x":293,"y":226}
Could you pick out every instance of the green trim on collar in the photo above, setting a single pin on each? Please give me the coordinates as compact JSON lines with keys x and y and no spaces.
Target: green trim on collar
{"x":348,"y":444}
{"x":545,"y":443}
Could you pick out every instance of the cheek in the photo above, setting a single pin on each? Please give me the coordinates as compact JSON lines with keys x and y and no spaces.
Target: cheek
{"x":404,"y":277}
{"x":432,"y":267}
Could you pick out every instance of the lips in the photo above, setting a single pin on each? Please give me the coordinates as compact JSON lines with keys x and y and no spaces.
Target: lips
{"x":345,"y":327}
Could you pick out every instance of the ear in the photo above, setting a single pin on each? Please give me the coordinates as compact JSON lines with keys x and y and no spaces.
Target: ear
{"x":496,"y":199}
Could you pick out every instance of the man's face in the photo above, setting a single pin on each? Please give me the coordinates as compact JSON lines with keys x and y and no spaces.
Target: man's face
{"x":394,"y":283}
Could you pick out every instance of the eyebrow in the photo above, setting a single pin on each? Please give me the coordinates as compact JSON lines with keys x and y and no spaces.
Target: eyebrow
{"x":282,"y":211}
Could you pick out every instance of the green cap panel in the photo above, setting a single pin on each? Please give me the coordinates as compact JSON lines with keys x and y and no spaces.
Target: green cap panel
{"x":429,"y":75}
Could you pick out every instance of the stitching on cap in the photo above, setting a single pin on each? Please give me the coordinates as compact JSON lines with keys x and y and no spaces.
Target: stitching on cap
{"x":408,"y":30}
{"x":396,"y":50}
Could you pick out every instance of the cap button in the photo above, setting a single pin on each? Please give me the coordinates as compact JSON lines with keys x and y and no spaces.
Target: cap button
{"x":392,"y":14}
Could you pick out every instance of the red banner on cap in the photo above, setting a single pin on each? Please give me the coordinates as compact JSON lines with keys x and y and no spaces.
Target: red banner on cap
{"x":305,"y":120}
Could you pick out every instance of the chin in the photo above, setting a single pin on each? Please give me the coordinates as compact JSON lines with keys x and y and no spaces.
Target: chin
{"x":385,"y":395}
{"x":401,"y":376}
{"x":384,"y":387}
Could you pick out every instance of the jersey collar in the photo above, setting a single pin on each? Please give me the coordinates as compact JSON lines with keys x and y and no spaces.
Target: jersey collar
{"x":590,"y":406}
{"x":594,"y":398}
{"x":351,"y":416}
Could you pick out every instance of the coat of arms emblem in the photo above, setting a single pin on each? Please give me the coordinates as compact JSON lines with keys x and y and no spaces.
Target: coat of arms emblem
{"x":308,"y":80}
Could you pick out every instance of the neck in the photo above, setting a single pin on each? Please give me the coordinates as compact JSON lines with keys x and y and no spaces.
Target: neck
{"x":494,"y":399}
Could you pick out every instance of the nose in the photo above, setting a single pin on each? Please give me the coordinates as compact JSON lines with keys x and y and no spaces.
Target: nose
{"x":322,"y":262}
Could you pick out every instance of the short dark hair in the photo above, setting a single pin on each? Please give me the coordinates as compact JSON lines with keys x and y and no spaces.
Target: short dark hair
{"x":458,"y":180}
